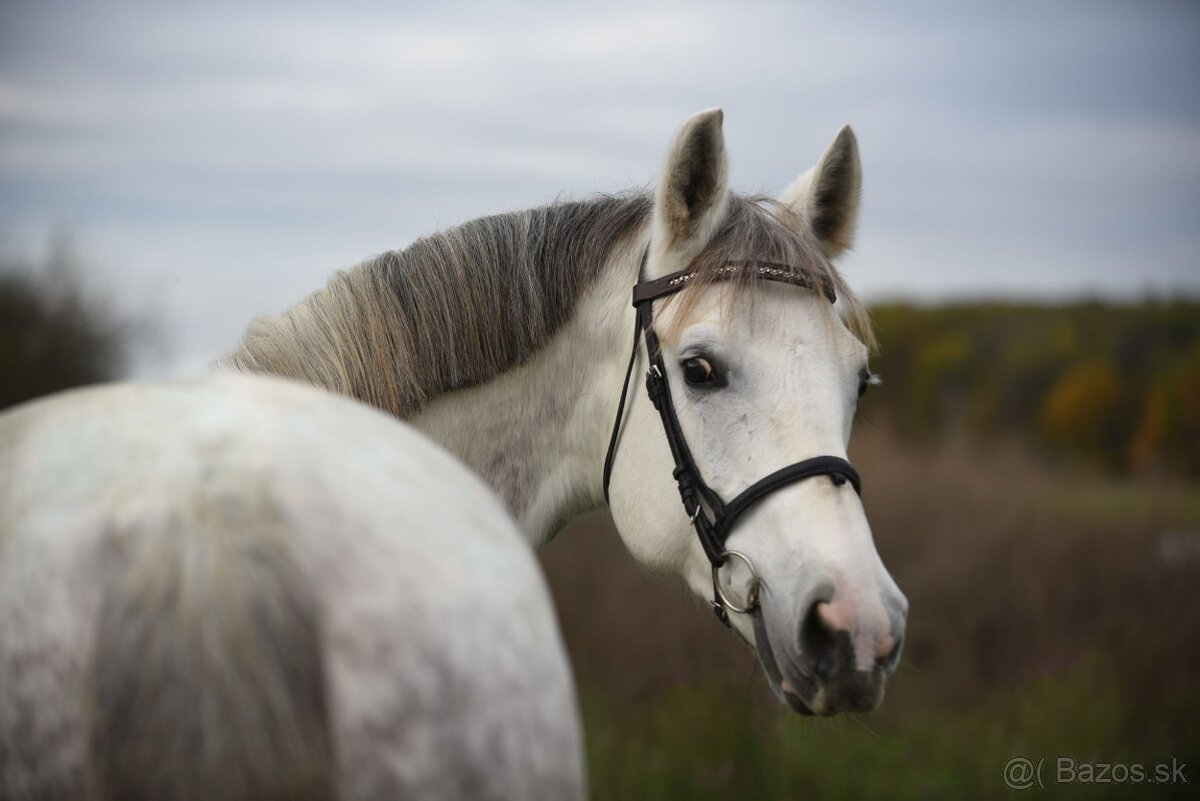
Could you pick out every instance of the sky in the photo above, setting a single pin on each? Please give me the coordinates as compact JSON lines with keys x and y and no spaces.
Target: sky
{"x":213,"y":161}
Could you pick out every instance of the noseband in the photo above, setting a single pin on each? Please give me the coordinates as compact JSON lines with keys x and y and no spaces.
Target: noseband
{"x":699,"y":499}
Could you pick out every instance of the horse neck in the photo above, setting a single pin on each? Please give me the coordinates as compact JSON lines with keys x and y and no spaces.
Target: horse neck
{"x":538,"y":433}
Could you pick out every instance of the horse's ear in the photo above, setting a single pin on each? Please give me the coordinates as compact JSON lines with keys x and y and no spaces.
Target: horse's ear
{"x":826,"y":198}
{"x":690,"y":200}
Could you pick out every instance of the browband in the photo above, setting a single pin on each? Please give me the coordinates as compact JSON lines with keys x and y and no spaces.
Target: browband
{"x":768,"y":270}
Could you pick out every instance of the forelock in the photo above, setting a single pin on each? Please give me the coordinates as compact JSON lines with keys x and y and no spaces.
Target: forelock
{"x":760,"y":229}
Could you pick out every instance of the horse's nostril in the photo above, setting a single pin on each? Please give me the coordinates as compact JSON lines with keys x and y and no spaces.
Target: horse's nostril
{"x":834,"y":638}
{"x":888,"y":661}
{"x":818,"y":639}
{"x":832,"y":616}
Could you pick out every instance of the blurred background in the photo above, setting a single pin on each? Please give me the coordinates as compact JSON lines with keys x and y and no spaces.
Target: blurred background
{"x":1028,"y":243}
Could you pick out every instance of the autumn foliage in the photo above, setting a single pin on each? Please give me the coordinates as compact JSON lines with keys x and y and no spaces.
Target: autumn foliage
{"x":1115,"y":386}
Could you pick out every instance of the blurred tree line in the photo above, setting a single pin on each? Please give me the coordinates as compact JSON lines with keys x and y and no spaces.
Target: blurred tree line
{"x":1115,"y":386}
{"x":54,"y":333}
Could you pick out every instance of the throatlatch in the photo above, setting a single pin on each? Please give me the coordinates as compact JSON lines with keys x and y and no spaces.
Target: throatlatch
{"x":700,"y":500}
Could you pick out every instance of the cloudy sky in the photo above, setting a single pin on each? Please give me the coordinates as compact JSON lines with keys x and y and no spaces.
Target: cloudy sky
{"x":217,"y":160}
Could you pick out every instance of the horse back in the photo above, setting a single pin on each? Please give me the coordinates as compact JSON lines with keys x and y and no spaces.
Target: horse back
{"x":241,"y":588}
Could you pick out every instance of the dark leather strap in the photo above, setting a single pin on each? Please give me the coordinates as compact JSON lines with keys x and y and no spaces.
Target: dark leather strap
{"x":838,"y":469}
{"x":616,"y":429}
{"x":693,"y":491}
{"x":771,"y":271}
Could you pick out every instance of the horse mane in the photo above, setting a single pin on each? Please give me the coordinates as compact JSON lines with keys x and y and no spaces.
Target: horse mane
{"x":461,"y":306}
{"x":452,"y":310}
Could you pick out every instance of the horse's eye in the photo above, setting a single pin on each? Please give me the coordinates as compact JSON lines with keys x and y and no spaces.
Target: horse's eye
{"x":698,"y":371}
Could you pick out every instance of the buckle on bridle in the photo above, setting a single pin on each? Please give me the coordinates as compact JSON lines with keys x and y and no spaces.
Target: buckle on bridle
{"x":721,"y":601}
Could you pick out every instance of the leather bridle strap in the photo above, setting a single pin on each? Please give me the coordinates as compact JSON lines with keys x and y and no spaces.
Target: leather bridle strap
{"x":693,"y":491}
{"x":700,"y":500}
{"x":838,"y":469}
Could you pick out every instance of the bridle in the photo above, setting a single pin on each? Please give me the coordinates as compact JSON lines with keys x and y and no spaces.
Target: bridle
{"x":699,"y":499}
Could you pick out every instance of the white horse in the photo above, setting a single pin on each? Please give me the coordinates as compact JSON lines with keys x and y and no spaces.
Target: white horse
{"x":244,"y":588}
{"x":505,"y":340}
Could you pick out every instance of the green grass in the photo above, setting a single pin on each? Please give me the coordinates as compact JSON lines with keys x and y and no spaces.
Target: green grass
{"x":708,"y":742}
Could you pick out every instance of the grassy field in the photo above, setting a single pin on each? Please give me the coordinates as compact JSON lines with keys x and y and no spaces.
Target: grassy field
{"x":703,"y":741}
{"x":1054,"y":614}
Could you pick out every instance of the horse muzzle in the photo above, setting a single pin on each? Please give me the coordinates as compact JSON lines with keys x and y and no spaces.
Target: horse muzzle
{"x":839,"y":662}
